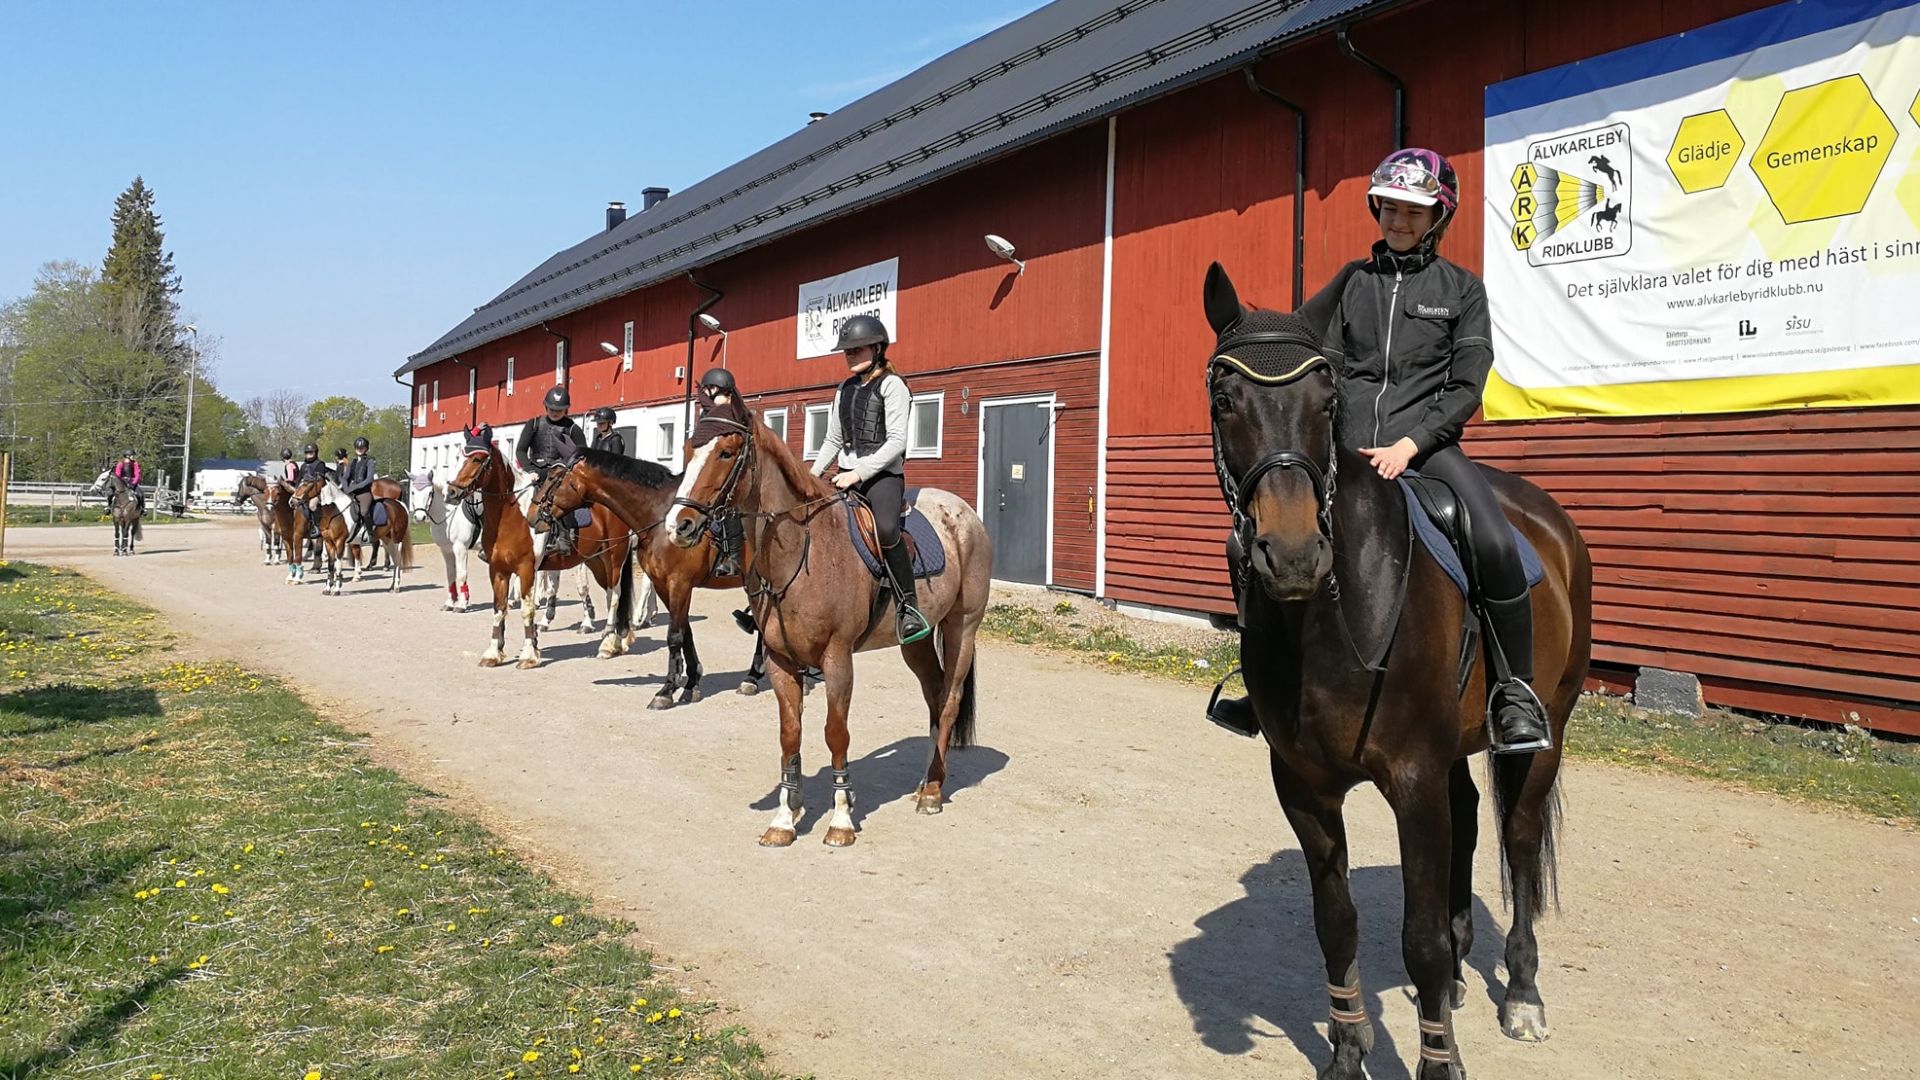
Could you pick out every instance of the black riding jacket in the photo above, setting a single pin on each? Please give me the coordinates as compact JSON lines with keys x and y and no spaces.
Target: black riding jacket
{"x":1413,"y":342}
{"x":540,"y":442}
{"x":612,"y":442}
{"x":359,"y":475}
{"x":313,"y":470}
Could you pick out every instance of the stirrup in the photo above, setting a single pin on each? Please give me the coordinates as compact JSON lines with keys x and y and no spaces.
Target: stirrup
{"x":1531,"y":744}
{"x":900,"y":618}
{"x":1216,"y":716}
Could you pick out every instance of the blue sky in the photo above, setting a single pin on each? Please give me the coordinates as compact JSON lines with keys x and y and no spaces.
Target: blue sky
{"x":341,"y":183}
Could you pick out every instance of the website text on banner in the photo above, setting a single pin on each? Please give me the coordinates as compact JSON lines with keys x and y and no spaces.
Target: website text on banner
{"x":1722,"y":221}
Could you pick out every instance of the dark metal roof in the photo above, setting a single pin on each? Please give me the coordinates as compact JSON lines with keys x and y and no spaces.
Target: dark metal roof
{"x":1067,"y":64}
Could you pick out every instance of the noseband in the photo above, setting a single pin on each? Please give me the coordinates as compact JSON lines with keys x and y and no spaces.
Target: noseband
{"x":1238,"y":491}
{"x":723,"y":499}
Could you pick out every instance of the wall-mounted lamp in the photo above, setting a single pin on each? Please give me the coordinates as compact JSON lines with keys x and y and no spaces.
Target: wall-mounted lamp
{"x":1003,"y":248}
{"x":610,"y":348}
{"x":712,"y":324}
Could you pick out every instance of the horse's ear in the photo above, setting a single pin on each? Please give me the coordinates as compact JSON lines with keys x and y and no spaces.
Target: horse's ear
{"x":1222,"y":301}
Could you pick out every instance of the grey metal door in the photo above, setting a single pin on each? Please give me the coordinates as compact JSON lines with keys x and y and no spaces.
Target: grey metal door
{"x":1018,"y":489}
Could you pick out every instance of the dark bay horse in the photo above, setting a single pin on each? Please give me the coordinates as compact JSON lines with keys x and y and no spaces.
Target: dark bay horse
{"x":124,"y":507}
{"x":395,"y":537}
{"x":642,"y":494}
{"x":1353,"y":658}
{"x":817,"y":604}
{"x":260,"y":492}
{"x":511,"y":551}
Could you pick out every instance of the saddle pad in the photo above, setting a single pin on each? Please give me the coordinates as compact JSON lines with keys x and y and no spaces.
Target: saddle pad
{"x":1442,"y":551}
{"x":380,"y":513}
{"x":929,"y":557}
{"x":582,"y":517}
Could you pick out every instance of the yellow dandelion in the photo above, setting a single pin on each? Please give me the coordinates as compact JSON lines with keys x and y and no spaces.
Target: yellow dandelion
{"x":597,"y":1021}
{"x":228,"y":913}
{"x":367,"y":884}
{"x":673,"y":1014}
{"x":383,"y":950}
{"x":574,"y":1053}
{"x":180,"y":884}
{"x":141,"y":895}
{"x":200,"y":963}
{"x":486,"y":943}
{"x":193,"y":918}
{"x":557,"y":920}
{"x":151,"y":960}
{"x":574,"y":1068}
{"x":199,"y":873}
{"x":404,"y":911}
{"x":599,"y":1040}
{"x":677,"y":1059}
{"x":451,"y":927}
{"x":312,"y":1074}
{"x":236,"y":866}
{"x":530,"y":1056}
{"x":633,"y":1068}
{"x":642,"y":1002}
{"x":654,"y":1018}
{"x":218,"y":889}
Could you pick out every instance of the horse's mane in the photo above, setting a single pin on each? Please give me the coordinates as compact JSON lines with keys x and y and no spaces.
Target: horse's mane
{"x":798,"y":476}
{"x":647,"y":474}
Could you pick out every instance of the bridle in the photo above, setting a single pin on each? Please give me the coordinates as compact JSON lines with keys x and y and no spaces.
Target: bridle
{"x":723,"y":498}
{"x":1238,"y":491}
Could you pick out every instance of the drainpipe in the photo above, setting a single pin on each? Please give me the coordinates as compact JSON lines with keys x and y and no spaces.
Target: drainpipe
{"x":1299,"y":182}
{"x":693,"y":332}
{"x":1399,"y":87}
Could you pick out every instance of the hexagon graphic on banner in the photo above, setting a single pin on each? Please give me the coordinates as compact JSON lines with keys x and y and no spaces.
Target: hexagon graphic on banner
{"x":1704,"y":150}
{"x":1824,"y":150}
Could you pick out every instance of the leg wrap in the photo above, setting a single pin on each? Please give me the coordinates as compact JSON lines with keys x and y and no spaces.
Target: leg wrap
{"x":790,"y":783}
{"x":842,"y":783}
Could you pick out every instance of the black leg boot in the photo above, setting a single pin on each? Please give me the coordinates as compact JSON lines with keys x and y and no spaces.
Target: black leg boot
{"x":913,"y":625}
{"x":1519,"y":720}
{"x":1233,"y":713}
{"x":728,"y":536}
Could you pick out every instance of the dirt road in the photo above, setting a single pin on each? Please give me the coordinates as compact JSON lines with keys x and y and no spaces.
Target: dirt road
{"x":1112,"y":890}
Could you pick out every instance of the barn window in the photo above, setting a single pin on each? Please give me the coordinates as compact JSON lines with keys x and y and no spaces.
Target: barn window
{"x":626,"y":348}
{"x":473,"y":384}
{"x":816,"y":429}
{"x":776,"y":421}
{"x":420,"y":405}
{"x":923,"y":426}
{"x":559,"y":363}
{"x":667,"y":448}
{"x":436,"y":395}
{"x":509,"y":375}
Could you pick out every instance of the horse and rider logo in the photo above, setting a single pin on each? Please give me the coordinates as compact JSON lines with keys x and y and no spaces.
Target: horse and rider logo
{"x":1571,"y":197}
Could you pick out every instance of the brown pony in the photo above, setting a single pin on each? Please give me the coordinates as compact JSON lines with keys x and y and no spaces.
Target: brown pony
{"x":642,"y":493}
{"x":1354,"y":660}
{"x":512,"y":551}
{"x":395,"y":537}
{"x":817,"y":604}
{"x":258,"y":491}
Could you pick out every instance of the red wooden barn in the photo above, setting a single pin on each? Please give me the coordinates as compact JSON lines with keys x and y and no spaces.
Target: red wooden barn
{"x":1120,"y":147}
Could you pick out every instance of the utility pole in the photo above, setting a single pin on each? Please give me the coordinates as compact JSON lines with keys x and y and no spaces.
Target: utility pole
{"x":186,"y":449}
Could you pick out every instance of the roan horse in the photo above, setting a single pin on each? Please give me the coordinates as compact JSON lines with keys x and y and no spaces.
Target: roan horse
{"x":260,"y":492}
{"x":817,"y":604}
{"x":1352,"y":683}
{"x":124,"y":506}
{"x":513,"y":553}
{"x":642,"y":493}
{"x":396,"y":536}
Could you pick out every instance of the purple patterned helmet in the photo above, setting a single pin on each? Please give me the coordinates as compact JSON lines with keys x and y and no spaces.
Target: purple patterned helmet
{"x":1417,"y":176}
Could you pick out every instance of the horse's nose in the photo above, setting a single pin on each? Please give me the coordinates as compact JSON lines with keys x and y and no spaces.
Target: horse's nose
{"x":1292,"y":569}
{"x":419,"y":515}
{"x":685,"y":529}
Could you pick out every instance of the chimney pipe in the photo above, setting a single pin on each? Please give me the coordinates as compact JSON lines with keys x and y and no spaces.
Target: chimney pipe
{"x":815,"y":117}
{"x":616,"y":213}
{"x":651,"y":197}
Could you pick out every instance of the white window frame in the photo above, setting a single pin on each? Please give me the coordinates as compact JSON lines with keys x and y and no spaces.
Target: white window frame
{"x":665,"y":434}
{"x":473,"y":385}
{"x":559,"y":363}
{"x":766,"y":417}
{"x":938,"y":399}
{"x":436,"y":396}
{"x":509,"y":376}
{"x":419,"y":405}
{"x":808,"y":443}
{"x":626,"y":348}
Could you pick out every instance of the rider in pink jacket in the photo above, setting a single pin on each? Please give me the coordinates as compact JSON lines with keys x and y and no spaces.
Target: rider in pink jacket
{"x":128,"y":470}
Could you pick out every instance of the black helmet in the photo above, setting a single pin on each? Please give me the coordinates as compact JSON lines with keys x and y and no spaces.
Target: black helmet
{"x":603,"y":415}
{"x":719,"y":379}
{"x":285,"y":454}
{"x":311,"y":449}
{"x":361,"y":443}
{"x":129,"y":454}
{"x":557,"y":398}
{"x":862,"y":330}
{"x":339,"y":452}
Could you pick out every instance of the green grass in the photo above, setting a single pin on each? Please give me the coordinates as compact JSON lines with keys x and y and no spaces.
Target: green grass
{"x":26,"y":516}
{"x":203,"y":878}
{"x":1846,"y":767}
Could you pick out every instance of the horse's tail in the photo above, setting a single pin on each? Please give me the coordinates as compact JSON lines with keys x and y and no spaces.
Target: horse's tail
{"x":137,"y":534}
{"x":962,"y":723}
{"x":406,"y":548}
{"x":622,"y":617}
{"x":1510,"y":775}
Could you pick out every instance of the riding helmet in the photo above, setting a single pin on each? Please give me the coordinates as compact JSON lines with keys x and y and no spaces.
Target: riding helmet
{"x":286,"y":454}
{"x":603,"y":415}
{"x":339,"y":453}
{"x":719,"y":379}
{"x":1417,"y":176}
{"x":863,"y":330}
{"x":361,"y":443}
{"x":129,"y":454}
{"x":557,"y":398}
{"x":310,"y":448}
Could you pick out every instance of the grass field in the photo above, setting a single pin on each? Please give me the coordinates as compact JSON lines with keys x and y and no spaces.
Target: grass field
{"x":1845,"y":766}
{"x":202,"y":878}
{"x":20,"y":516}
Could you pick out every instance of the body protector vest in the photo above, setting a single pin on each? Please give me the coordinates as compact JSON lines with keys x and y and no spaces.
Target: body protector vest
{"x":863,"y":414}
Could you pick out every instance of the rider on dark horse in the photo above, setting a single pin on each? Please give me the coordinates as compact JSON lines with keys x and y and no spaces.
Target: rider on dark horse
{"x":867,"y":438}
{"x":1412,"y":340}
{"x":128,"y":470}
{"x":721,"y":411}
{"x":356,"y":480}
{"x":546,"y":443}
{"x":604,"y":437}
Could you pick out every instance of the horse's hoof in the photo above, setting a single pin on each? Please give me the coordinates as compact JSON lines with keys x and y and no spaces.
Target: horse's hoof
{"x":748,"y":688}
{"x":839,"y":836}
{"x":777,"y":837}
{"x":1459,"y":993}
{"x":661,"y":703}
{"x":929,"y":802}
{"x":490,"y":661}
{"x":1527,"y":1023}
{"x":528,"y":663}
{"x":607,"y":652}
{"x":690,"y":697}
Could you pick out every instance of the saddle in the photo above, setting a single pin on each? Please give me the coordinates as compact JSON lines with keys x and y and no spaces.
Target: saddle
{"x":923,"y":544}
{"x":1441,"y":522}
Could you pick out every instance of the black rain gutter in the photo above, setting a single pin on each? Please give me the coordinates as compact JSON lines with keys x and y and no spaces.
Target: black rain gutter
{"x":693,"y":331}
{"x":1399,"y":87}
{"x":1299,"y":182}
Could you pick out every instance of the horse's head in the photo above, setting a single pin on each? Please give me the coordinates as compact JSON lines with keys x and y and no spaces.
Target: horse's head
{"x":1272,"y":398}
{"x":473,"y":469}
{"x":562,"y":492}
{"x":712,"y":479}
{"x":420,"y":494}
{"x":309,"y":489}
{"x":100,"y":482}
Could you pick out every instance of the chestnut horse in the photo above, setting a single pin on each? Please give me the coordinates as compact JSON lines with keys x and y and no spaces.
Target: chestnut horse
{"x":514,"y":554}
{"x":334,"y":517}
{"x":642,"y":493}
{"x":258,"y":491}
{"x":817,"y":604}
{"x":1367,"y":680}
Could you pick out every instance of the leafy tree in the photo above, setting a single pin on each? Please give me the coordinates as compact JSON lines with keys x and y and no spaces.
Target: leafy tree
{"x":334,"y":422}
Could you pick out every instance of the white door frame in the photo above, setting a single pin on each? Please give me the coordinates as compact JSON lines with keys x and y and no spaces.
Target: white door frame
{"x":1050,"y":400}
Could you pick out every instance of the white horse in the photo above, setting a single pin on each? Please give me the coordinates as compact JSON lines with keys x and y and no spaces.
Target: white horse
{"x":455,"y":529}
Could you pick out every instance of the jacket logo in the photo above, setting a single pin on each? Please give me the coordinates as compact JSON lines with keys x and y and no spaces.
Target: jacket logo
{"x":1431,"y":312}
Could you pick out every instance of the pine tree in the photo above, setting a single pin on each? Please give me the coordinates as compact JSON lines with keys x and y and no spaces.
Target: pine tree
{"x":138,"y":280}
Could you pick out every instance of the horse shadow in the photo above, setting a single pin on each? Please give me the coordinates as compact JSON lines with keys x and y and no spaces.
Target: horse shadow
{"x":51,"y":708}
{"x":1256,"y":960}
{"x":886,"y":775}
{"x":97,"y":1029}
{"x":589,"y":647}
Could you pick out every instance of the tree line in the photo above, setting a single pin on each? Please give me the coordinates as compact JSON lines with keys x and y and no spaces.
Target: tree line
{"x":95,"y":360}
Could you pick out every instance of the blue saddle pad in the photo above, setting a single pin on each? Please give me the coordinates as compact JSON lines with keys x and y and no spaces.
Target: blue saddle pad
{"x":1442,"y":551}
{"x":929,"y":557}
{"x":379,"y":513}
{"x":582,"y":517}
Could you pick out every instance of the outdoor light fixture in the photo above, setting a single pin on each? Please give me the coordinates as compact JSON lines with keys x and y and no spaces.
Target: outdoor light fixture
{"x":609,"y":348}
{"x":1001,"y":247}
{"x":711,"y":323}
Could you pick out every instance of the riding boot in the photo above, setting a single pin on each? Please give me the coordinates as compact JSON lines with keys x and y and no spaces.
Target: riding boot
{"x":1233,"y":713}
{"x":727,"y":539}
{"x":560,"y":538}
{"x":912,"y":625}
{"x":1519,"y":719}
{"x":744,"y":619}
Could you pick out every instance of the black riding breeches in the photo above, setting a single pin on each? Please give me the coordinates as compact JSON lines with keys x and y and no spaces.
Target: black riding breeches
{"x":1496,"y":558}
{"x":887,"y":494}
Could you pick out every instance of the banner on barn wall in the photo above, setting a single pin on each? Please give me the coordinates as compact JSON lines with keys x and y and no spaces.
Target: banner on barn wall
{"x":1722,"y":221}
{"x":825,"y":304}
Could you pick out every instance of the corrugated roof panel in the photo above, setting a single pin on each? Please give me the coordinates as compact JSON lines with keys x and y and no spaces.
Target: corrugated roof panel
{"x":1066,"y":64}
